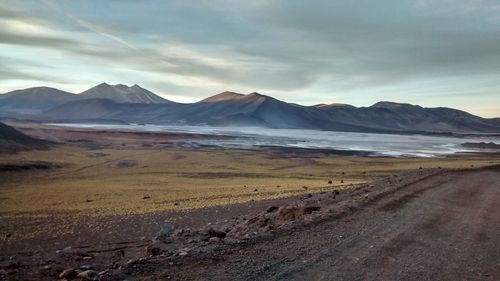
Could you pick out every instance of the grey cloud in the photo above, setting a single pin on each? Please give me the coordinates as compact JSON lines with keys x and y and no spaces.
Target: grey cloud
{"x":288,"y":45}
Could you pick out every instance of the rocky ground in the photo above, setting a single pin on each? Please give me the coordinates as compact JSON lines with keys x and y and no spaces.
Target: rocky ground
{"x":426,"y":224}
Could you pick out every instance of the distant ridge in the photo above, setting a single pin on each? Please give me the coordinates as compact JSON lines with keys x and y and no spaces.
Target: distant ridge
{"x":133,"y":104}
{"x":33,"y":100}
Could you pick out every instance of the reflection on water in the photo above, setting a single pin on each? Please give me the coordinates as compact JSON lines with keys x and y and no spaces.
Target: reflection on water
{"x":249,"y":137}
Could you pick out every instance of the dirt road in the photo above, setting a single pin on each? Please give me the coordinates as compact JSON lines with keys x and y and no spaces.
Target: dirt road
{"x":446,"y":227}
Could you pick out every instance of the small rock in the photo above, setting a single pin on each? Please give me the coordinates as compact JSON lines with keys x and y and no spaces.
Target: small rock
{"x":214,"y":240}
{"x":310,"y":209}
{"x":69,"y":273}
{"x":85,"y":267}
{"x":330,"y":182}
{"x":255,"y":190}
{"x":145,"y":197}
{"x":88,"y":275}
{"x":153,"y":250}
{"x":12,"y":265}
{"x":216,"y":233}
{"x":166,"y":231}
{"x":132,"y":262}
{"x":271,"y":209}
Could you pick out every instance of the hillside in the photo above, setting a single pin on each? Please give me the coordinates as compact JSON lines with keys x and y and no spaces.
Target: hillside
{"x":11,"y":140}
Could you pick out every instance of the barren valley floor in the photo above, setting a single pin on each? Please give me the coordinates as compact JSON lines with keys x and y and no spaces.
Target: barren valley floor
{"x":108,"y":192}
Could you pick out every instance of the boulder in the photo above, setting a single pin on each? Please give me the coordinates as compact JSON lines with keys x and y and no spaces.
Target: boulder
{"x":165,"y":232}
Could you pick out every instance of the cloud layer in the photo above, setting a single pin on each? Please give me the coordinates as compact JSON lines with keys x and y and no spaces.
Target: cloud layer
{"x":434,"y":53}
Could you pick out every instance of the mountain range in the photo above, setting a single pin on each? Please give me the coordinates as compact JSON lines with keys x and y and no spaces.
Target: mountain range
{"x":134,"y":104}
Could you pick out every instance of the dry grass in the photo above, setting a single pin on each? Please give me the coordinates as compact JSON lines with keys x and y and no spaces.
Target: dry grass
{"x":178,"y":179}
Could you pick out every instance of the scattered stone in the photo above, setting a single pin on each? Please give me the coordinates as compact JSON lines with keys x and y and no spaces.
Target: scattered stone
{"x":330,"y":182}
{"x":8,"y":235}
{"x":341,"y":181}
{"x":255,"y":190}
{"x":88,"y":275}
{"x":89,"y":200}
{"x":305,"y":187}
{"x":145,"y":197}
{"x":69,"y":273}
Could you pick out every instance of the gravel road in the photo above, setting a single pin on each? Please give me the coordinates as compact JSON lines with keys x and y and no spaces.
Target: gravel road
{"x":446,"y":227}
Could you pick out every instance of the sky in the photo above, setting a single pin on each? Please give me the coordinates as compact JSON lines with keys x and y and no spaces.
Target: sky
{"x":427,"y":52}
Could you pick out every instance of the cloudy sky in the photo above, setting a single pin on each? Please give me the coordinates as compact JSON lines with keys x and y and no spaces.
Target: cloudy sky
{"x":427,"y":52}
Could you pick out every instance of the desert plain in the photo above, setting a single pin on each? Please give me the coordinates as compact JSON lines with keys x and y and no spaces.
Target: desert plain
{"x":95,"y":189}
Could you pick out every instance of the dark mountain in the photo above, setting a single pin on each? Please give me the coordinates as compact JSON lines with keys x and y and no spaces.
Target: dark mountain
{"x":120,"y":103}
{"x":36,"y":100}
{"x":11,"y":140}
{"x":33,"y":100}
{"x":103,"y":109}
{"x":122,"y":94}
{"x":232,"y":109}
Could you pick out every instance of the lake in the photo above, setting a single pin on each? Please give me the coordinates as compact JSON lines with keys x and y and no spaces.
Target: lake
{"x":379,"y":144}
